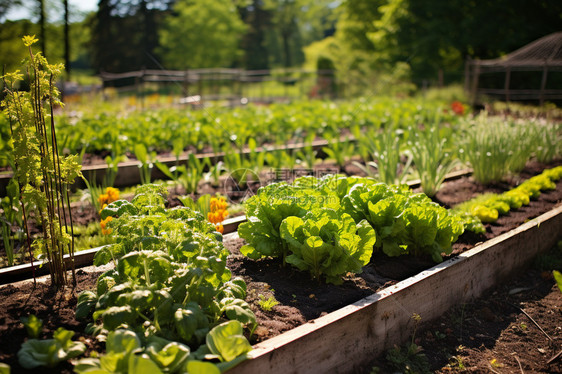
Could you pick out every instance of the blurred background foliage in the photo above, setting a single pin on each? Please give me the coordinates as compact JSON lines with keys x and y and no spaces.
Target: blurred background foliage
{"x":398,"y":44}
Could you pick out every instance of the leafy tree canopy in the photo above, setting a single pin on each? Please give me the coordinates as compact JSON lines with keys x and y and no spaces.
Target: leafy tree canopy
{"x":200,"y":34}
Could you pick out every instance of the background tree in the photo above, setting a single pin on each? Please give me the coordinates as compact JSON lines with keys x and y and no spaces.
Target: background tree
{"x":258,"y":20}
{"x":296,"y":23}
{"x":10,"y":43}
{"x":125,"y":34}
{"x":6,"y":5}
{"x":200,"y":34}
{"x":435,"y":35}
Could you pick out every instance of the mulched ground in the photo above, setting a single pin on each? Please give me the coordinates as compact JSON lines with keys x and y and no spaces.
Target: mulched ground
{"x":300,"y":298}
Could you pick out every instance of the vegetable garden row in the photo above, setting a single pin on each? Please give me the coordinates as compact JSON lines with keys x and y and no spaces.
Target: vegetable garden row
{"x":168,"y":302}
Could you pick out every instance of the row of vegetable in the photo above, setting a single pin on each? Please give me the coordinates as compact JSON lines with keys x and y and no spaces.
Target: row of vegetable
{"x":219,"y":129}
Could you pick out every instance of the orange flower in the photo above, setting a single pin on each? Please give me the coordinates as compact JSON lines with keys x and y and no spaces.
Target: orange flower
{"x":220,"y":228}
{"x":104,"y":229}
{"x":218,"y":211}
{"x":103,"y":198}
{"x":111,"y":194}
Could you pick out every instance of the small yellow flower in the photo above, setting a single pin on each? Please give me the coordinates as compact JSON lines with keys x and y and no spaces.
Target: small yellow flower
{"x":112,"y":194}
{"x":103,"y":198}
{"x":29,"y":40}
{"x":103,"y":224}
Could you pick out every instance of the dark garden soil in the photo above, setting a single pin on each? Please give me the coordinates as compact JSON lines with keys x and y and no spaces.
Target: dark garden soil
{"x":515,"y":327}
{"x":302,"y":299}
{"x":55,"y":307}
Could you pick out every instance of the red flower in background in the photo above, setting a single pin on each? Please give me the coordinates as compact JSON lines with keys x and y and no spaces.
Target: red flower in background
{"x":457,"y":107}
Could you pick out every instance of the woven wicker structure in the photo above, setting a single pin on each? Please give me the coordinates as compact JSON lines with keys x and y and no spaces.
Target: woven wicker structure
{"x":543,"y":55}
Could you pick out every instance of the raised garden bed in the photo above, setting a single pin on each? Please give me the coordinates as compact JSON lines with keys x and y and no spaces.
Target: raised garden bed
{"x":375,"y":323}
{"x":391,"y":306}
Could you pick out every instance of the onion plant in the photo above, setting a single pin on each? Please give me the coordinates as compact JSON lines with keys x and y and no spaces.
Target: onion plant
{"x":496,"y":147}
{"x":432,"y":156}
{"x":147,"y":160}
{"x":548,"y":141}
{"x":387,"y":151}
{"x":189,"y":175}
{"x":340,"y":151}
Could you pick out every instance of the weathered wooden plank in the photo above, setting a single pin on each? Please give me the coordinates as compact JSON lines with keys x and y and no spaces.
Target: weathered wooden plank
{"x":353,"y":335}
{"x":13,"y":273}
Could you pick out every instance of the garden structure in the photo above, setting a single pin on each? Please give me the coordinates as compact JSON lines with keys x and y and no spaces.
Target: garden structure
{"x":531,"y":73}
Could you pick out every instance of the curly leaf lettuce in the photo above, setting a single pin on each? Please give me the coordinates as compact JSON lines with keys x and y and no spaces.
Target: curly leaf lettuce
{"x":325,"y":242}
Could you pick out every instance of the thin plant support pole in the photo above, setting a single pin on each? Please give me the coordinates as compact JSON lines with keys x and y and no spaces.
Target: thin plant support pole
{"x":57,"y":181}
{"x":71,"y":247}
{"x":48,"y":188}
{"x":60,"y":196}
{"x":48,"y":234}
{"x":51,"y":242}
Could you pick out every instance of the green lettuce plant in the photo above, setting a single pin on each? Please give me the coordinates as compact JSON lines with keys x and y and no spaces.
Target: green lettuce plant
{"x":50,"y":352}
{"x":269,"y":207}
{"x":325,"y":226}
{"x":328,"y":243}
{"x":405,"y":223}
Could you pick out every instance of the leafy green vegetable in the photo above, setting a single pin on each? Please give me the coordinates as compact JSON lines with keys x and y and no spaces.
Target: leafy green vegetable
{"x":328,"y":243}
{"x":227,"y":341}
{"x":266,"y":210}
{"x":169,"y":288}
{"x":201,"y":367}
{"x":170,"y":357}
{"x":86,"y":304}
{"x":50,"y":352}
{"x":405,"y":223}
{"x":267,"y":304}
{"x":33,"y":325}
{"x":488,"y":207}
